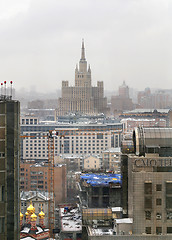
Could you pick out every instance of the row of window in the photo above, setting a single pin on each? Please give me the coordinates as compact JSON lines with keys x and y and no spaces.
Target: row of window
{"x":148,"y":215}
{"x":148,"y":230}
{"x":148,"y":188}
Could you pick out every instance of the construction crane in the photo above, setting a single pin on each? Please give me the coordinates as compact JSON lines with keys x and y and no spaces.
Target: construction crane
{"x":51,"y":135}
{"x":51,"y":203}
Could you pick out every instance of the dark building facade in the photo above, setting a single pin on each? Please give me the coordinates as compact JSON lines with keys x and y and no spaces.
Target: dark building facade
{"x":9,"y":169}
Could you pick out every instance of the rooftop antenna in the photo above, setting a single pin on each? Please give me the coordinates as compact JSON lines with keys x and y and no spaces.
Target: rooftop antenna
{"x":1,"y":89}
{"x":5,"y":88}
{"x":11,"y":82}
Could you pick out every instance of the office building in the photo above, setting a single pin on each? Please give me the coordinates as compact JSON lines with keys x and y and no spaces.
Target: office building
{"x":73,"y":138}
{"x":9,"y":168}
{"x":147,"y":185}
{"x":82,"y":97}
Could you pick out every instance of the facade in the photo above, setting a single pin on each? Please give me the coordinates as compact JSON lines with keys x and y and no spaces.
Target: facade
{"x":149,"y":194}
{"x":111,"y":159}
{"x":9,"y":168}
{"x":147,"y":185}
{"x":34,"y":177}
{"x":159,"y":99}
{"x":131,"y":123}
{"x":146,"y":113}
{"x":73,"y":138}
{"x":92,"y":163}
{"x":39,"y":201}
{"x":82,"y":97}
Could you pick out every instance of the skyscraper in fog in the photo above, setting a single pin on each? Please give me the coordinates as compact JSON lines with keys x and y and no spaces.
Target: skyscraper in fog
{"x":82,"y":97}
{"x":9,"y":168}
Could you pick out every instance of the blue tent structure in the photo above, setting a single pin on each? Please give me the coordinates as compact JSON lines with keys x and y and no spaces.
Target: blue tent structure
{"x":101,"y":179}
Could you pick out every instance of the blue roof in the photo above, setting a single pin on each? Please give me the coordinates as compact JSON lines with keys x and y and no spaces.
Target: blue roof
{"x":101,"y":179}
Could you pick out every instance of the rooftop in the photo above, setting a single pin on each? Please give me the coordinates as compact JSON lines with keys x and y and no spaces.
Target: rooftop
{"x":71,"y":220}
{"x":101,"y":179}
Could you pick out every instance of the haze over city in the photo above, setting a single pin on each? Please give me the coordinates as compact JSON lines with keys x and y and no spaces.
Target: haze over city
{"x":125,"y":40}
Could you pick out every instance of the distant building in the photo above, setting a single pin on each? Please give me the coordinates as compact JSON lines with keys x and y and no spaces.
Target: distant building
{"x":9,"y":168}
{"x":156,"y":114}
{"x":131,"y":123}
{"x":122,"y":101}
{"x":82,"y":97}
{"x":159,"y":99}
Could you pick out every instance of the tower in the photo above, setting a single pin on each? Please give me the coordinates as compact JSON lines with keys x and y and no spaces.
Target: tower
{"x":9,"y":168}
{"x":83,"y":75}
{"x":82,"y":97}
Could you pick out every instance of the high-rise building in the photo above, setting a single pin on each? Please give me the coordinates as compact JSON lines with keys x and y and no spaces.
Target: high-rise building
{"x":82,"y":97}
{"x":147,"y":185}
{"x":9,"y":168}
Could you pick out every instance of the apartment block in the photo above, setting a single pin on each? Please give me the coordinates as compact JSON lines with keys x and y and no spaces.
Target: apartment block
{"x":34,"y":176}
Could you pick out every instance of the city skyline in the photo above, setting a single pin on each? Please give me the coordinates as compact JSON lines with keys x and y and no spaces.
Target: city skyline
{"x":127,"y":40}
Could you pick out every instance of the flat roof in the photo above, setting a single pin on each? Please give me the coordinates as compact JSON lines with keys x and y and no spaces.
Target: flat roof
{"x":71,"y":221}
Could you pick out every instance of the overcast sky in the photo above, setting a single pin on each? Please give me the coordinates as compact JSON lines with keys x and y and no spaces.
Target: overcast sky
{"x":131,"y":40}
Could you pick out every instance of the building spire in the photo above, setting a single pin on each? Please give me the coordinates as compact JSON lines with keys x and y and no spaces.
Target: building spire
{"x":83,"y":51}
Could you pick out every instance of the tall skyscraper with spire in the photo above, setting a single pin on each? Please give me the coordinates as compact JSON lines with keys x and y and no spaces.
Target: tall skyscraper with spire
{"x":82,"y":97}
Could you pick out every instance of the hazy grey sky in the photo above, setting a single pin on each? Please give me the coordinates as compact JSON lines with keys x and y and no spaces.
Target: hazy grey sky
{"x":40,"y":42}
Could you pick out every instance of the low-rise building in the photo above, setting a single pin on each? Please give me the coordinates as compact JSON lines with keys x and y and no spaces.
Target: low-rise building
{"x":111,"y":159}
{"x":39,"y":201}
{"x":92,"y":163}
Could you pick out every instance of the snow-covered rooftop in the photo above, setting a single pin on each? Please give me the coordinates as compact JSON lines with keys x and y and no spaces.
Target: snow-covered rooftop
{"x":71,"y":221}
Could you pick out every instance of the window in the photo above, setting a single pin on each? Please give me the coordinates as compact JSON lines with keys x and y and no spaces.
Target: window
{"x":148,"y":188}
{"x":158,"y":187}
{"x":2,"y":224}
{"x":158,"y":216}
{"x":158,"y":201}
{"x":168,"y":202}
{"x":169,"y":214}
{"x":148,"y":230}
{"x":158,"y":230}
{"x":169,"y":229}
{"x":2,"y":193}
{"x":148,"y":202}
{"x":148,"y":215}
{"x":168,"y":188}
